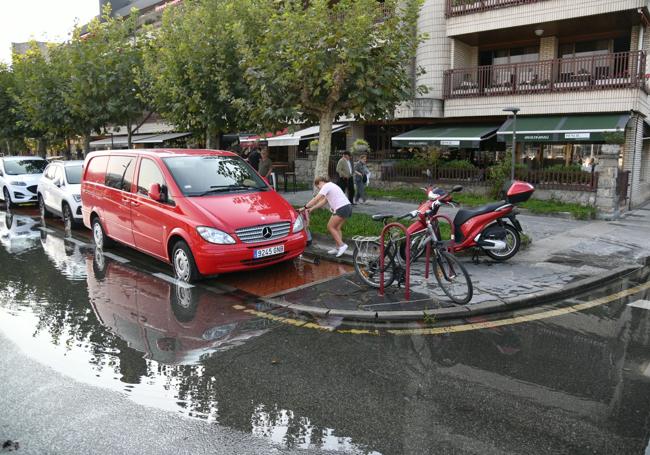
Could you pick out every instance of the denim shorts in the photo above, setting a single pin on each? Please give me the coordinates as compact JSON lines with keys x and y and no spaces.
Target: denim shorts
{"x":345,"y":211}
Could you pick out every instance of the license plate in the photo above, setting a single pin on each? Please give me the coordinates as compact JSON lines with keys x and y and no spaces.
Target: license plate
{"x":272,"y":251}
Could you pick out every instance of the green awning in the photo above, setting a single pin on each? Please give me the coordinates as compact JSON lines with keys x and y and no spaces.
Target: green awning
{"x":467,"y":136}
{"x":564,"y":129}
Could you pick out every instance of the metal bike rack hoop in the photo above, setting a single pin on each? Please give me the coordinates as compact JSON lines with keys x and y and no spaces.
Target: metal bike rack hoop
{"x":407,"y":248}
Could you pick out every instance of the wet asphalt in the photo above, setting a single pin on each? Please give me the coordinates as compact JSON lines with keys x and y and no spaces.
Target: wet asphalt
{"x":101,"y":353}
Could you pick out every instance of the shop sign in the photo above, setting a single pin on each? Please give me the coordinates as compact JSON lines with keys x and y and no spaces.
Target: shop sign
{"x":449,"y":142}
{"x":577,"y":136}
{"x":537,"y":137}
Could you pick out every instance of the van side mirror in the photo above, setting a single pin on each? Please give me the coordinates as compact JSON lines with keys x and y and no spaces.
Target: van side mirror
{"x":155,"y":192}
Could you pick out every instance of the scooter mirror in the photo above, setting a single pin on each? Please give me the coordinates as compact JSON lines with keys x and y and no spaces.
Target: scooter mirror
{"x":457,"y":189}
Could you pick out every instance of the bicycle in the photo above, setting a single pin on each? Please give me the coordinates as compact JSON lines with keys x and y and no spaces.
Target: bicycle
{"x":451,"y":275}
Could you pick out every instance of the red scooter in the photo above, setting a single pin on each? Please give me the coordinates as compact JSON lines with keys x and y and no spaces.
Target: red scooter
{"x":492,"y":228}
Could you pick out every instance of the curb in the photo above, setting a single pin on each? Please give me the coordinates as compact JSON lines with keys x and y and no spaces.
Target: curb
{"x":465,"y":311}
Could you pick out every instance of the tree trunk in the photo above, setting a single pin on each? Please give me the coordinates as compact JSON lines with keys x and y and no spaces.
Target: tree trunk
{"x":324,"y":144}
{"x":68,"y":148}
{"x":86,"y":150}
{"x":212,"y":138}
{"x":42,"y":148}
{"x":129,"y":135}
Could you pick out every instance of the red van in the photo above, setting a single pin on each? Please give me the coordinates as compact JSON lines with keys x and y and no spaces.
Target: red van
{"x":204,"y":211}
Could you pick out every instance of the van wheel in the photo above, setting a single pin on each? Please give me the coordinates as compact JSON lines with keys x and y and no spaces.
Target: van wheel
{"x":41,"y":207}
{"x":7,"y":198}
{"x":183,"y":263}
{"x":101,"y":239}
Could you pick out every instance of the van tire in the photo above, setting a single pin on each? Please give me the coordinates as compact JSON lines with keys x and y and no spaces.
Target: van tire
{"x":102,"y":241}
{"x":183,"y":263}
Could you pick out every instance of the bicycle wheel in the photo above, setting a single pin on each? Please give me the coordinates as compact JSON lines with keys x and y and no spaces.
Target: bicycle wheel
{"x":452,"y":277}
{"x":367,"y":265}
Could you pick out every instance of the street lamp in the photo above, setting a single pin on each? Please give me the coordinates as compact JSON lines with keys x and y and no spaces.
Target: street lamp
{"x":514,"y":111}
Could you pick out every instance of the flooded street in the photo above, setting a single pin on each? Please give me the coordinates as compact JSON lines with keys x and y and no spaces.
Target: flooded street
{"x":568,"y":382}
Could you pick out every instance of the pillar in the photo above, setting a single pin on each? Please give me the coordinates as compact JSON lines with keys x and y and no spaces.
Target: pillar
{"x":632,"y":154}
{"x":606,"y":197}
{"x":548,"y":47}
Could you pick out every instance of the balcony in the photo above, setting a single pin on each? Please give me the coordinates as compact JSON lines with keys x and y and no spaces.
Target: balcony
{"x":598,"y":72}
{"x":462,"y":7}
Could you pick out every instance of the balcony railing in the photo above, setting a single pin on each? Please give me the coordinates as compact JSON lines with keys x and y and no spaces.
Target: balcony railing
{"x":598,"y":72}
{"x":462,"y":7}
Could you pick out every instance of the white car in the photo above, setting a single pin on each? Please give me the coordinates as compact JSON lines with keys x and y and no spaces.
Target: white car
{"x":19,"y":176}
{"x":59,"y":191}
{"x":18,"y":233}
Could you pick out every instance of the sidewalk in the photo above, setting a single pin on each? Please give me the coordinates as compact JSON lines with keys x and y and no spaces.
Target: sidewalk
{"x":566,"y":257}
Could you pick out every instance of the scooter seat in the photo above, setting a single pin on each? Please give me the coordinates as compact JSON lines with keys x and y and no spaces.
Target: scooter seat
{"x":463,"y":215}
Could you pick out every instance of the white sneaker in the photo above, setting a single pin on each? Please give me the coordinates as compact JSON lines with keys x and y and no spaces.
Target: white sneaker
{"x":333,"y":251}
{"x":341,"y":250}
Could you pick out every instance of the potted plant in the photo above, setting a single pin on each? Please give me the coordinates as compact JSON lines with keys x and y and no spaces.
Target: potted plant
{"x":313,"y":145}
{"x":360,"y":146}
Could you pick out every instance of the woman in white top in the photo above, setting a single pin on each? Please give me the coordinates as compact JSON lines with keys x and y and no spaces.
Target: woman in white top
{"x":330,"y":193}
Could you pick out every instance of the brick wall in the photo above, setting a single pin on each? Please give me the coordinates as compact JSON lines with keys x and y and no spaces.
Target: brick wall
{"x":548,"y":47}
{"x":463,"y":55}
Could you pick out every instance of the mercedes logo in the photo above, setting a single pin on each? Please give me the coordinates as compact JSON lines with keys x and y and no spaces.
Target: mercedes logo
{"x":267,"y":233}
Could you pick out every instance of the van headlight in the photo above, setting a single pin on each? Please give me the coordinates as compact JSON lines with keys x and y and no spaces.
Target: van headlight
{"x":298,"y":225}
{"x":213,"y":235}
{"x":18,"y":183}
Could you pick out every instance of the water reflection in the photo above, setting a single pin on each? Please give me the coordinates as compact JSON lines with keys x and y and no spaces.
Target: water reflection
{"x":573,"y":384}
{"x":18,"y":233}
{"x":169,"y":323}
{"x":65,"y":254}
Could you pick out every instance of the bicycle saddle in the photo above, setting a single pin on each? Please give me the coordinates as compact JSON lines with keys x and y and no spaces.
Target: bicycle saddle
{"x":381,"y":217}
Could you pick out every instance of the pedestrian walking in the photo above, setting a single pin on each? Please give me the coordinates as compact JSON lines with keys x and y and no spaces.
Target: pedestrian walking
{"x":344,"y":171}
{"x":266,"y":165}
{"x":361,"y":176}
{"x":340,"y":206}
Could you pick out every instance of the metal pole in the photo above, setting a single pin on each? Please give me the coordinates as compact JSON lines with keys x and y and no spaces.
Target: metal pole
{"x":514,"y":146}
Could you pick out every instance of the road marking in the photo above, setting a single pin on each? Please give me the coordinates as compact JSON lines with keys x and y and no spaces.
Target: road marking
{"x":117,"y":258}
{"x":520,"y":319}
{"x":643,"y":304}
{"x":172,"y":280}
{"x":48,"y":230}
{"x":462,"y":327}
{"x":78,"y":242}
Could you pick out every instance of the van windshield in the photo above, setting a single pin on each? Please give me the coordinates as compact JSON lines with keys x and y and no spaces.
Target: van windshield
{"x":203,"y":175}
{"x":20,"y":167}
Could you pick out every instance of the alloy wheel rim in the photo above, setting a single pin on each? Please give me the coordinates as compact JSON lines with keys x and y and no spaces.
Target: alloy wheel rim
{"x":510,"y":245}
{"x":98,"y":235}
{"x":181,"y":265}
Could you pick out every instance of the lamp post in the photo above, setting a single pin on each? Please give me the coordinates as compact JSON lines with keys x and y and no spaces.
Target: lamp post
{"x":514,"y":111}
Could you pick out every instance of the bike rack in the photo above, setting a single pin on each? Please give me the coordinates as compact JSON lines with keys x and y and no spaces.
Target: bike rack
{"x":407,"y":282}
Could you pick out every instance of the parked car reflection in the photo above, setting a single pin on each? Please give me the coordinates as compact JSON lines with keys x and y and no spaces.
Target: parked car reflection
{"x":169,"y":323}
{"x":18,"y":233}
{"x":65,"y":255}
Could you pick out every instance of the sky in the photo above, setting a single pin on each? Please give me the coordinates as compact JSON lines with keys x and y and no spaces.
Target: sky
{"x":42,"y":20}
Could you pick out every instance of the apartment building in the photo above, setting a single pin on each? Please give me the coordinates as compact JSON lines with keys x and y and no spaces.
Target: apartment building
{"x":577,"y":70}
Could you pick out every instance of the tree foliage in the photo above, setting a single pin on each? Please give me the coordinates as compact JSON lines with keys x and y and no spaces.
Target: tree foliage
{"x":194,"y":66}
{"x":321,"y":60}
{"x":9,"y":116}
{"x":105,"y":69}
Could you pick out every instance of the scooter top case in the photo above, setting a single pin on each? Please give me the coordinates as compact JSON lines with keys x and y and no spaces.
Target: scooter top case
{"x":519,"y":192}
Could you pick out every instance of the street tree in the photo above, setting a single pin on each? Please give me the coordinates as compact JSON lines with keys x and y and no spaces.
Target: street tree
{"x":10,"y":130}
{"x":321,"y":59}
{"x":105,"y":66}
{"x":38,"y":93}
{"x":194,"y":66}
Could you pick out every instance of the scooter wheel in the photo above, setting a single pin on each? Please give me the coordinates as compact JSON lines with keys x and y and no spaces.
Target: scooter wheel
{"x":513,"y":243}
